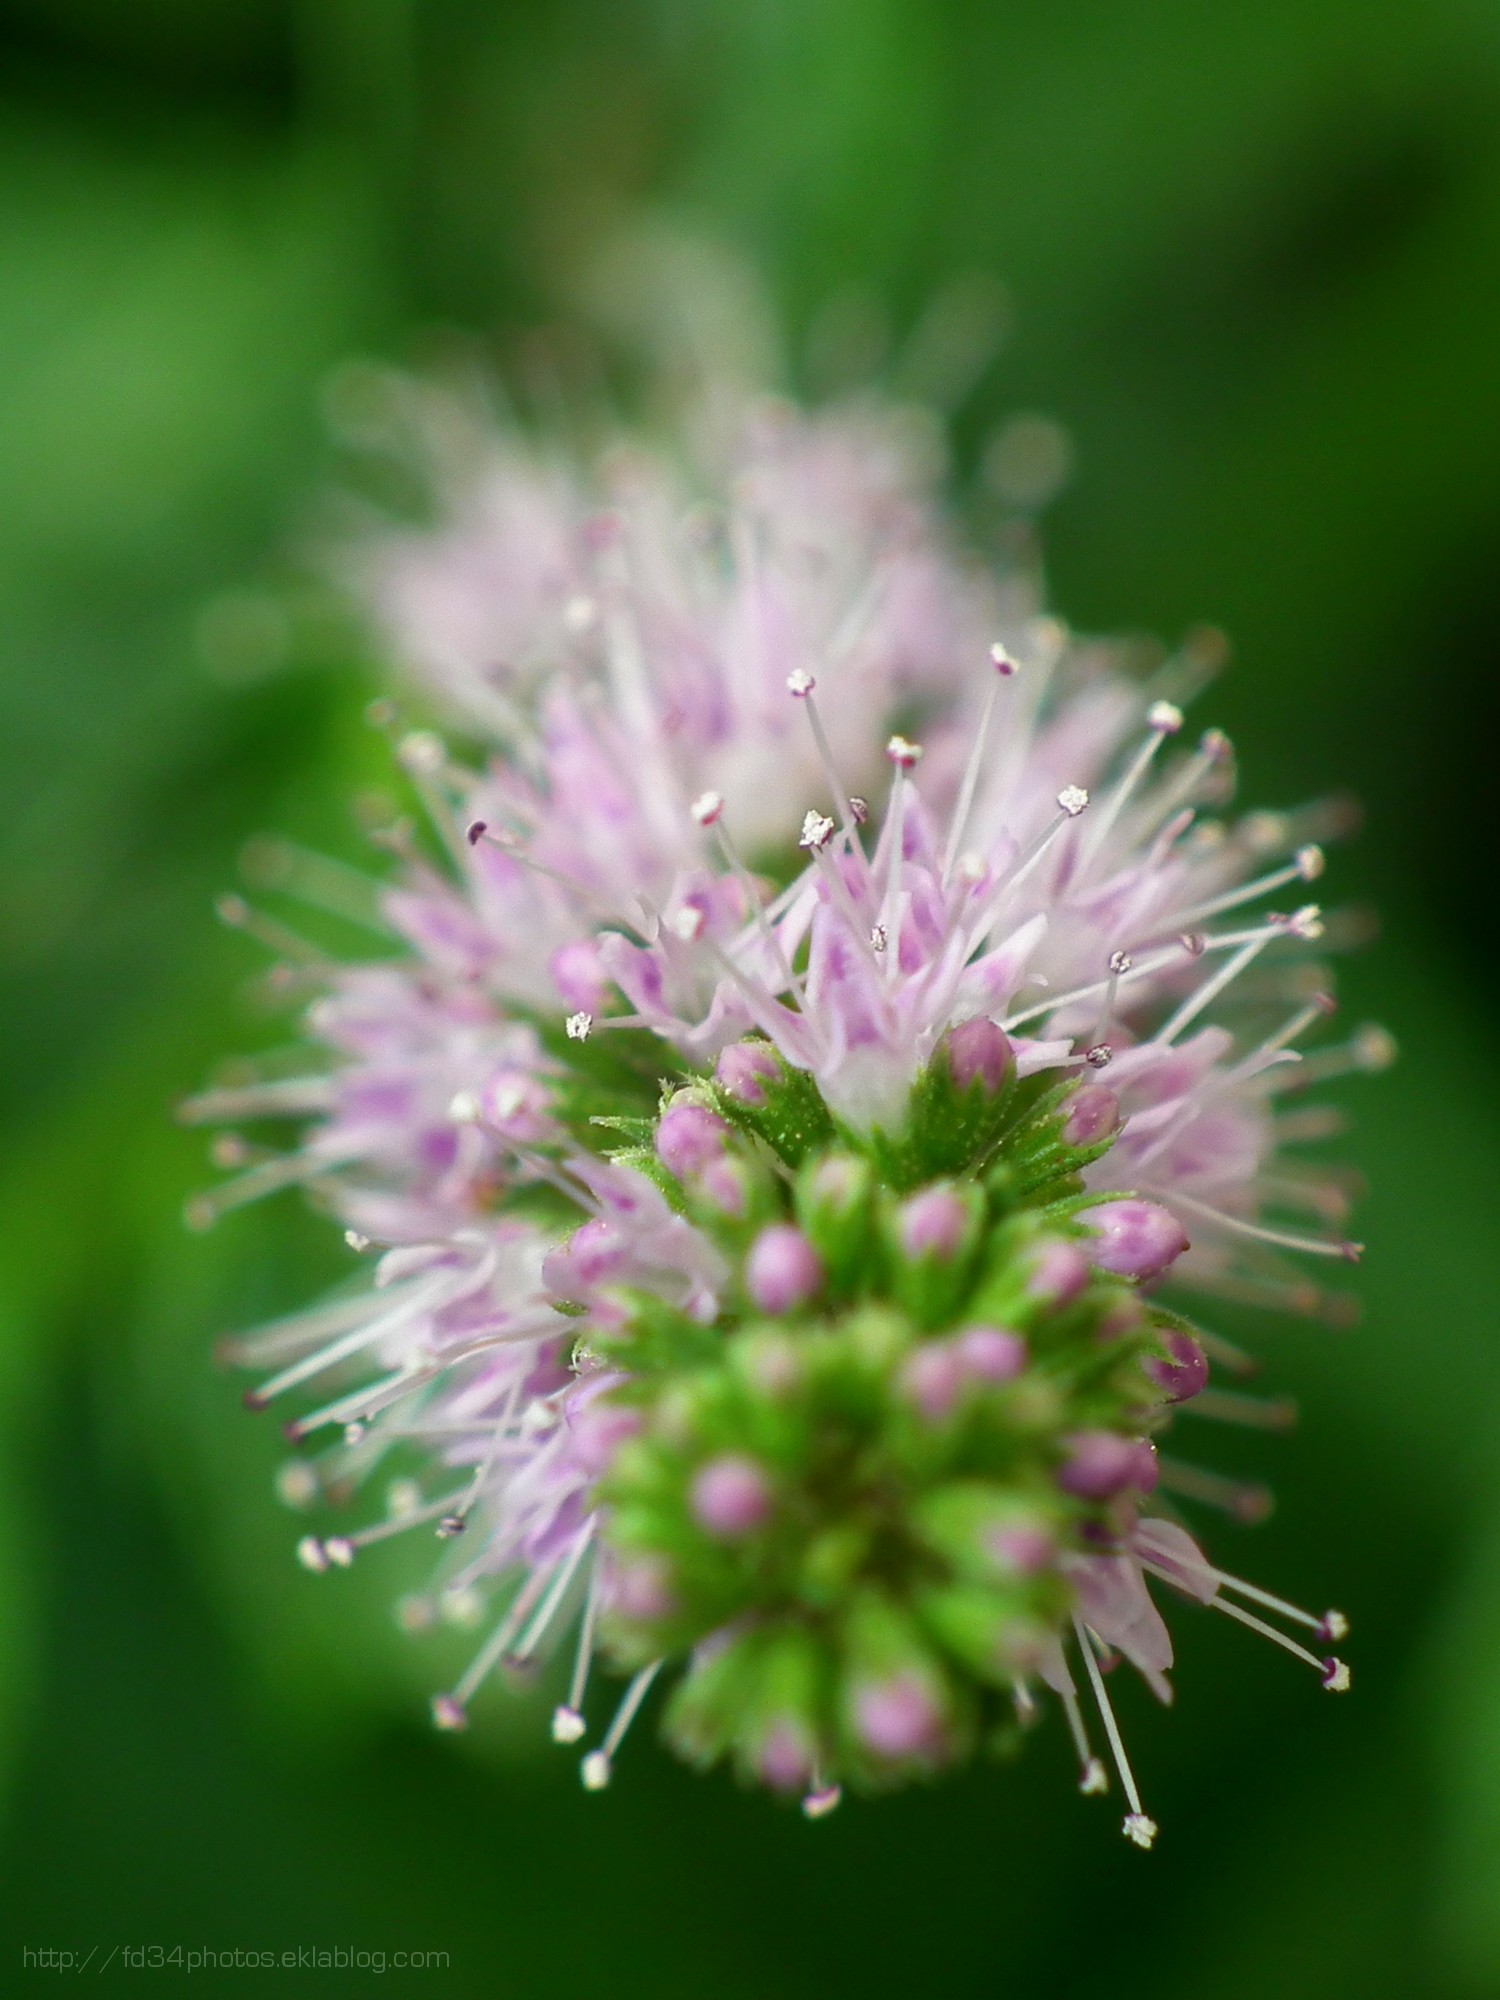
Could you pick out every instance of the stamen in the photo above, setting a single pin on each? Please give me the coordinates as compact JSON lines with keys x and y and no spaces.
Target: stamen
{"x":1005,"y":669}
{"x":1305,"y":866}
{"x":567,"y":1721}
{"x":753,"y":900}
{"x":1258,"y":1413}
{"x":276,"y":937}
{"x":495,"y":1646}
{"x":1162,"y":720}
{"x":597,"y":1768}
{"x":1241,"y":1500}
{"x":800,"y":686}
{"x":1282,"y":1239}
{"x":1212,"y":987}
{"x":1333,"y":1672}
{"x":566,"y":1571}
{"x":1136,"y":1825}
{"x":1092,"y":1776}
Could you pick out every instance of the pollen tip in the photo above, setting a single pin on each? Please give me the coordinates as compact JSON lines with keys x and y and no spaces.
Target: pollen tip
{"x":449,"y":1526}
{"x":1164,"y":718}
{"x":1100,"y":1056}
{"x":800,"y":684}
{"x":1333,"y":1625}
{"x":1142,"y":1831}
{"x":820,"y":1803}
{"x":357,"y":1240}
{"x":1351,"y":1252}
{"x":312,"y":1555}
{"x":1093,"y":1779}
{"x":449,"y":1713}
{"x":902,"y":752}
{"x":339,"y":1551}
{"x":567,"y":1724}
{"x":1336,"y":1675}
{"x":578,"y":1027}
{"x":707,"y":808}
{"x":475,"y":831}
{"x":595,"y":1771}
{"x":1002,"y":662}
{"x":859,"y":810}
{"x":1309,"y":861}
{"x":1073,"y":799}
{"x":253,"y":1399}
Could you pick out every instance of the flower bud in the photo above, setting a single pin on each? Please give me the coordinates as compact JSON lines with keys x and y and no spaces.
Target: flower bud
{"x":782,"y":1271}
{"x":730,"y":1497}
{"x":1091,"y":1115}
{"x":744,"y":1068}
{"x":688,"y":1138}
{"x":1101,"y":1464}
{"x":932,"y":1377}
{"x":990,"y":1353}
{"x":639,"y":1587}
{"x":933,"y":1224}
{"x":1135,"y":1239}
{"x":726,"y":1186}
{"x":1059,"y":1272}
{"x":1182,"y":1371}
{"x":897,"y":1716}
{"x":979,"y":1052}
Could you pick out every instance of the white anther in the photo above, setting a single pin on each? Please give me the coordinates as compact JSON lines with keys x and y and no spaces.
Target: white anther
{"x":567,"y":1725}
{"x":403,"y":1498}
{"x":1310,"y":862}
{"x":297,"y":1485}
{"x":463,"y":1108}
{"x":859,"y":810}
{"x":449,"y":1526}
{"x":820,"y":1803}
{"x":1072,"y":799}
{"x":903,"y":753}
{"x":1100,"y":1056}
{"x":1333,"y":1625}
{"x":579,"y":613}
{"x":312,"y":1555}
{"x":800,"y":683}
{"x":356,"y":1239}
{"x":1336,"y":1676}
{"x":595,"y":1771}
{"x":971,"y":868}
{"x":1093,"y":1779}
{"x":817,"y":831}
{"x":688,"y":923}
{"x":422,"y":753}
{"x":1306,"y":923}
{"x":1120,"y":962}
{"x":1215,"y":744}
{"x":339,"y":1551}
{"x":354,"y":1433}
{"x":579,"y":1027}
{"x":507,"y":1101}
{"x":1373,"y":1048}
{"x":1165,"y":717}
{"x":707,"y":807}
{"x":1194,"y":943}
{"x":878,"y":937}
{"x":1002,"y":662}
{"x":448,"y":1713}
{"x":1138,"y":1828}
{"x":463,"y":1608}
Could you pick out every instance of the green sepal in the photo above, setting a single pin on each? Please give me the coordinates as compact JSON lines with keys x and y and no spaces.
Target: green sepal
{"x":948,"y":1129}
{"x":794,"y":1121}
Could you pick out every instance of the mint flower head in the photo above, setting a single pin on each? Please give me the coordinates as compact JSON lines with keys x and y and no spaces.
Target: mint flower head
{"x":835,"y":1045}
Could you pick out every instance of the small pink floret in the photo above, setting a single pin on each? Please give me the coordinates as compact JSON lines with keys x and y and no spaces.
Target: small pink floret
{"x":744,"y":1068}
{"x":979,"y":1051}
{"x":730,"y":1497}
{"x":897,"y":1716}
{"x":689,"y":1138}
{"x":782,"y":1271}
{"x":1135,"y":1239}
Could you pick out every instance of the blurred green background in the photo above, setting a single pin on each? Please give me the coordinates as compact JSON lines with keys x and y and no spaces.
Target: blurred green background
{"x":1254,"y":259}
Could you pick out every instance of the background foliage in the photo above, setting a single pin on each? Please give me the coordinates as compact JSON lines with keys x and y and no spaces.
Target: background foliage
{"x":1253,"y":258}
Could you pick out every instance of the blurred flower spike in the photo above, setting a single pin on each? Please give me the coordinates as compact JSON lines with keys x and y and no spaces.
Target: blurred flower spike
{"x":835,"y":1042}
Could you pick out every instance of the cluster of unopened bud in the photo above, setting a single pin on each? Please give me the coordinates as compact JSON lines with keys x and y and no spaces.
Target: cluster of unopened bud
{"x":852,"y":1502}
